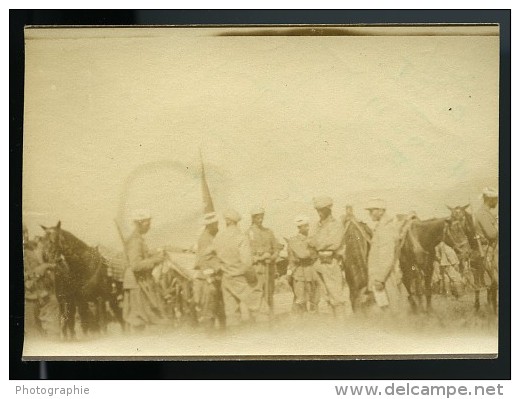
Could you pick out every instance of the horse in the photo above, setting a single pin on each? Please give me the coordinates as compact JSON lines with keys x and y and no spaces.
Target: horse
{"x":471,"y":256}
{"x":82,"y":283}
{"x":357,"y":245}
{"x":417,"y":252}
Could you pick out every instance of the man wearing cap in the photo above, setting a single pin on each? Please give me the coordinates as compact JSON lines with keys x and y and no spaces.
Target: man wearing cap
{"x":31,"y":262}
{"x":265,"y":249}
{"x":357,"y":243}
{"x":41,"y":304}
{"x":207,"y":293}
{"x":232,"y":248}
{"x":327,"y":241}
{"x":486,"y":226}
{"x":301,"y":269}
{"x":141,"y":302}
{"x":384,"y":279}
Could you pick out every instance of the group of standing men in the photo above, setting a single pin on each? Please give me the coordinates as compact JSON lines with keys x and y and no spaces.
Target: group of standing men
{"x":235,"y":270}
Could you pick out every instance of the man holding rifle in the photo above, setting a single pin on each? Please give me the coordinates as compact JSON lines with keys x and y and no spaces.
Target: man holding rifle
{"x":301,"y":272}
{"x":265,"y":250}
{"x":142,"y":304}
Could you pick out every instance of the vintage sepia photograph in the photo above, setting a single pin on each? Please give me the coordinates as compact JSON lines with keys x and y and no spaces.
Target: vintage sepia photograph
{"x":268,"y":192}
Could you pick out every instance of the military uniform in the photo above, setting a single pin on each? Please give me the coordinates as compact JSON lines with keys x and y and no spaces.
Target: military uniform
{"x":207,"y":292}
{"x":233,"y":249}
{"x":327,"y":241}
{"x":264,"y":248}
{"x":446,"y":267}
{"x":142,"y":304}
{"x":382,"y":265}
{"x":486,"y":226}
{"x":303,"y":273}
{"x":41,"y":304}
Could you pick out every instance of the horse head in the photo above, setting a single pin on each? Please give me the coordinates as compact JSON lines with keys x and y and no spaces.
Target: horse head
{"x":459,"y":231}
{"x":52,"y":243}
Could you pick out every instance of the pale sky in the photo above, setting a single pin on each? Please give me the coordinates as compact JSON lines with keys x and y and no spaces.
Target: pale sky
{"x":114,"y":121}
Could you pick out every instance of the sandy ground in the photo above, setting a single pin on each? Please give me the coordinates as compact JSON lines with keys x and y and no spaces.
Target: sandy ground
{"x":452,"y":330}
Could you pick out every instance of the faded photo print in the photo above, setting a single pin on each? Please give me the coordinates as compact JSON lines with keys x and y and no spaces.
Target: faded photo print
{"x":261,"y":192}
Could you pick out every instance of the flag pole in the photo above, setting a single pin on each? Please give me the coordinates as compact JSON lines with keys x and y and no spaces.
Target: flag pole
{"x":206,"y":195}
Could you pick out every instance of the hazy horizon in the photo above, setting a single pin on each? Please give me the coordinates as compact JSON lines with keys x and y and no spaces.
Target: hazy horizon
{"x":114,"y":123}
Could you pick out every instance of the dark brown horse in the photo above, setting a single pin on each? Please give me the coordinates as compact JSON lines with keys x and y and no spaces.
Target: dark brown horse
{"x":357,"y":245}
{"x":469,"y":253}
{"x":82,"y":283}
{"x":418,"y":252}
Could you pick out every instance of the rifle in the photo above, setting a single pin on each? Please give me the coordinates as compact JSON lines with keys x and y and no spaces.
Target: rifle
{"x":122,"y":240}
{"x":266,"y":266}
{"x":144,"y":287}
{"x":290,"y":281}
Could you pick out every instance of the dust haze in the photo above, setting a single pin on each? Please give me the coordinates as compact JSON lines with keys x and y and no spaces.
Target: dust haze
{"x":116,"y":119}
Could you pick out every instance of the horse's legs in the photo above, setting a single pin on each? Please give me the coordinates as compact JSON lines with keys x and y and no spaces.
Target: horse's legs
{"x":428,"y":287}
{"x":492,"y":297}
{"x":96,"y":315}
{"x":413,"y":304}
{"x":443,"y":289}
{"x":407,"y":284}
{"x":354,"y":299}
{"x":495,"y":299}
{"x":477,"y":300}
{"x":70,"y":318}
{"x":63,"y":318}
{"x":116,"y":310}
{"x":84,"y":316}
{"x":102,"y":314}
{"x":189,"y":304}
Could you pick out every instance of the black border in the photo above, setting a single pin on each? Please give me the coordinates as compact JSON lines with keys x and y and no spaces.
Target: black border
{"x":499,"y":368}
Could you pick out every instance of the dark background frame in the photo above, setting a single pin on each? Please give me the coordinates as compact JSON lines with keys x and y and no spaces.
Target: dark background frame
{"x":499,"y":368}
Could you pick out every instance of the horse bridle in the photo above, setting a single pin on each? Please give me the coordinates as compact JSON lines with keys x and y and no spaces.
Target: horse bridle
{"x":56,"y":250}
{"x":458,"y":245}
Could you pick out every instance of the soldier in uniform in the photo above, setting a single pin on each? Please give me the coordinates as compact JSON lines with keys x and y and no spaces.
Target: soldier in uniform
{"x":207,"y":293}
{"x":327,"y":241}
{"x":234,"y":252}
{"x":31,"y":261}
{"x":446,"y":270}
{"x":41,"y":305}
{"x":142,"y":304}
{"x":265,"y":249}
{"x":301,"y":272}
{"x":384,"y":277}
{"x":486,"y":226}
